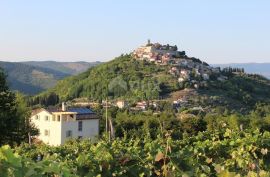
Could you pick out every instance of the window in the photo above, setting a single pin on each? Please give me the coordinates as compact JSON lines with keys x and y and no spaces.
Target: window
{"x":46,"y":118}
{"x":68,"y":133}
{"x":80,"y":126}
{"x":36,"y":117}
{"x":46,"y":132}
{"x":53,"y":118}
{"x":58,"y":118}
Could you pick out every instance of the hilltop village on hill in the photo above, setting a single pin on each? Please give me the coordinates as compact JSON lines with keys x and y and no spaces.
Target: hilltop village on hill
{"x":186,"y":70}
{"x":163,"y":77}
{"x":175,"y":79}
{"x":182,"y":66}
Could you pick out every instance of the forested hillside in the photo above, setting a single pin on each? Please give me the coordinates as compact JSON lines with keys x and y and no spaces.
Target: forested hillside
{"x":70,"y":68}
{"x":135,"y":80}
{"x":121,"y":77}
{"x":35,"y":77}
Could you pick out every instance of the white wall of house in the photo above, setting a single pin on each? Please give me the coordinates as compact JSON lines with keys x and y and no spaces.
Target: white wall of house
{"x":121,"y":104}
{"x":50,"y":131}
{"x":90,"y":129}
{"x":53,"y":130}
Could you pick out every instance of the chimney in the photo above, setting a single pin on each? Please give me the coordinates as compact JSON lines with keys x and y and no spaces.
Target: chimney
{"x":64,"y":106}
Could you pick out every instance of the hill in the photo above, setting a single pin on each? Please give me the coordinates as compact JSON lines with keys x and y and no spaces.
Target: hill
{"x":158,"y":73}
{"x":121,"y":77}
{"x":35,"y":77}
{"x":70,"y":68}
{"x":131,"y":79}
{"x":258,"y":68}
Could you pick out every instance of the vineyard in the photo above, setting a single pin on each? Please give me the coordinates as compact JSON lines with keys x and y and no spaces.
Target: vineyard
{"x":227,"y":153}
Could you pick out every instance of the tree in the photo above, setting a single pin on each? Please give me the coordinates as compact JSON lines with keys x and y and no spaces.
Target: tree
{"x":8,"y":121}
{"x":25,"y":128}
{"x":13,"y":115}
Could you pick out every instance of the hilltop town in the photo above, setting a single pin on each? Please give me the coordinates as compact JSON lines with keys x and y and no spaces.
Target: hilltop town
{"x":186,"y":69}
{"x":189,"y":72}
{"x":152,"y":76}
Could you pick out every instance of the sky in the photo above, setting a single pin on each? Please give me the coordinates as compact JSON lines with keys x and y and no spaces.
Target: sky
{"x":224,"y":31}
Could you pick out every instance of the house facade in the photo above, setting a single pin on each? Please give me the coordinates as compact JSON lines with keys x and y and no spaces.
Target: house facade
{"x":121,"y":104}
{"x":58,"y":125}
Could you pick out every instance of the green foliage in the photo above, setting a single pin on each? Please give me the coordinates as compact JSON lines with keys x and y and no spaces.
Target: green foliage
{"x":34,"y":77}
{"x":25,"y":127}
{"x":239,"y":93}
{"x":217,"y":153}
{"x":134,"y":80}
{"x":50,"y":99}
{"x":30,"y":79}
{"x":12,"y":164}
{"x":14,"y":116}
{"x":138,"y":124}
{"x":122,"y":77}
{"x":246,"y":89}
{"x":185,"y":121}
{"x":259,"y":118}
{"x":8,"y":120}
{"x":70,"y":68}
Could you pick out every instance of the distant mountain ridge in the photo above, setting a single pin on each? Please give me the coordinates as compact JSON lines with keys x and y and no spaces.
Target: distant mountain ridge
{"x":255,"y":68}
{"x":70,"y":68}
{"x":33,"y":77}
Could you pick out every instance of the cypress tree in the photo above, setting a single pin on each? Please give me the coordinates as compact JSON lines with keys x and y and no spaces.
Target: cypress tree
{"x":8,"y":121}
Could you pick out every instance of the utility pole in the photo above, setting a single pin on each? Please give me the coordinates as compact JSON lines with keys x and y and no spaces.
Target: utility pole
{"x":107,"y":128}
{"x":108,"y":132}
{"x":106,"y":115}
{"x":29,"y":138}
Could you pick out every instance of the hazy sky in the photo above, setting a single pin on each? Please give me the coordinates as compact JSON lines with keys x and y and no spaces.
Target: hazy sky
{"x":216,"y":31}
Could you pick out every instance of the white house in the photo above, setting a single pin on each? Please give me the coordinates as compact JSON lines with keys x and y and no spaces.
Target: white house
{"x":184,"y":72}
{"x":121,"y":104}
{"x":181,"y":79}
{"x":57,"y":125}
{"x":205,"y":76}
{"x":141,"y":105}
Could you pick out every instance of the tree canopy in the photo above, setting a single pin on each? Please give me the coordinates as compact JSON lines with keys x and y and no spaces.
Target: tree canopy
{"x":14,"y":115}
